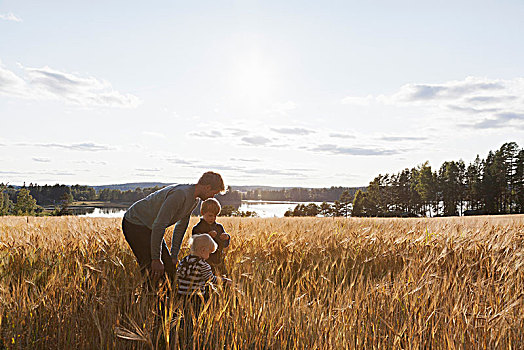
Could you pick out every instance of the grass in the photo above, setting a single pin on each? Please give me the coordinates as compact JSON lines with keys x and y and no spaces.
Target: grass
{"x":315,"y":283}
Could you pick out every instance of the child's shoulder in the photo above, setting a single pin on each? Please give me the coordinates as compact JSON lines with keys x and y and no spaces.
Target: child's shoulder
{"x":201,"y":227}
{"x":201,"y":222}
{"x":192,"y":261}
{"x":185,"y":260}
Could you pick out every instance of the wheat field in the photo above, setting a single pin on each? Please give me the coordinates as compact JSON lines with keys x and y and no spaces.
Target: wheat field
{"x":299,"y":283}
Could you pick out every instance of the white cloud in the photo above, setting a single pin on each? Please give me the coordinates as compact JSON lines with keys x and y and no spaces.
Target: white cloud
{"x":11,"y":84}
{"x":89,"y":162}
{"x":245,"y":160}
{"x":207,"y":134}
{"x":293,"y":131}
{"x":178,"y":161}
{"x":26,"y":173}
{"x":41,"y":160}
{"x":50,"y":84}
{"x":472,"y":92}
{"x":342,"y":136}
{"x":256,"y":140}
{"x":403,"y":138}
{"x":270,"y":172}
{"x":500,"y":120}
{"x":86,"y":146}
{"x":478,"y":103}
{"x":452,"y":90}
{"x":237,"y":132}
{"x":151,"y":170}
{"x":353,"y":151}
{"x":10,"y":17}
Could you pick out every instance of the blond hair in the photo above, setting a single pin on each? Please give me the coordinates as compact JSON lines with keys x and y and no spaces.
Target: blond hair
{"x":202,"y":241}
{"x":210,"y":205}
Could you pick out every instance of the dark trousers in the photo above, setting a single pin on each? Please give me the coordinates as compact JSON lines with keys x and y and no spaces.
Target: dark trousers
{"x":139,"y":239}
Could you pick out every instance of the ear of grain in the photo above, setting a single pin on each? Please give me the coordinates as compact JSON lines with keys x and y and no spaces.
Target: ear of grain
{"x":323,"y":283}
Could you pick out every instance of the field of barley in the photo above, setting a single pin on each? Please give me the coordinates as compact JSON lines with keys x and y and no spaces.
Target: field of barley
{"x":299,"y":283}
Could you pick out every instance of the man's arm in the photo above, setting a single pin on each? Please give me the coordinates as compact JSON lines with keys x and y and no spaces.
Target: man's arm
{"x":178,"y":236}
{"x":169,"y":209}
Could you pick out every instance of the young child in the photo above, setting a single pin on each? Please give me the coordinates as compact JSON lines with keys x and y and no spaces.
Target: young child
{"x":194,"y":274}
{"x":193,"y":271}
{"x":210,"y":209}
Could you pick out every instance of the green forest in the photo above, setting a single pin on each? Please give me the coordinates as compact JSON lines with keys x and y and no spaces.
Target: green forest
{"x":32,"y":199}
{"x":493,"y":185}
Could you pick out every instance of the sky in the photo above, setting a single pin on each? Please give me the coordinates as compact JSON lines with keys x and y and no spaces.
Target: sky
{"x":277,"y":93}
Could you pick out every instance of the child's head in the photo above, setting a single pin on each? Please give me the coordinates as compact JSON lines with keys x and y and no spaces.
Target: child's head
{"x":202,"y":245}
{"x":210,"y":209}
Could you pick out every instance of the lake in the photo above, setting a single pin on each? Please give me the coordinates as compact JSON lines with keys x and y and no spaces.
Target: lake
{"x":269,"y":209}
{"x":100,"y":212}
{"x":264,"y":209}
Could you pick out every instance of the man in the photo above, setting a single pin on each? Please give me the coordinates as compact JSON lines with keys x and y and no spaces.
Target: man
{"x":145,"y":222}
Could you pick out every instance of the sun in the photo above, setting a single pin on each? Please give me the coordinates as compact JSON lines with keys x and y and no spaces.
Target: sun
{"x":253,"y":78}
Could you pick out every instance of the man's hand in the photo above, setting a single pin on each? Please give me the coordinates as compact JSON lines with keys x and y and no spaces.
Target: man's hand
{"x":157,"y":268}
{"x":224,"y":236}
{"x":212,"y":233}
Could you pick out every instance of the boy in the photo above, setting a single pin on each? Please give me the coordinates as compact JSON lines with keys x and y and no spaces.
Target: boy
{"x":210,"y":209}
{"x":193,"y":271}
{"x":194,"y":274}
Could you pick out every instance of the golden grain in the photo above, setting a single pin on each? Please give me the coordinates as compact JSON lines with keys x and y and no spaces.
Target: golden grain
{"x":315,"y":283}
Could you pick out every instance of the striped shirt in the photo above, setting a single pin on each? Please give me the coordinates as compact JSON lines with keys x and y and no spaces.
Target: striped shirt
{"x":193,"y":274}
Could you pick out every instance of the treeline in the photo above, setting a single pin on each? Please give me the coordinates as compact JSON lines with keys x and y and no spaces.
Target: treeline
{"x":494,"y":185}
{"x":230,"y":210}
{"x":30,"y":200}
{"x":300,"y":194}
{"x":340,"y":207}
{"x":53,"y":195}
{"x":49,"y":195}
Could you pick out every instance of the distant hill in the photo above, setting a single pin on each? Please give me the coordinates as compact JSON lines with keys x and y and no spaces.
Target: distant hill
{"x":130,"y":186}
{"x":135,"y":185}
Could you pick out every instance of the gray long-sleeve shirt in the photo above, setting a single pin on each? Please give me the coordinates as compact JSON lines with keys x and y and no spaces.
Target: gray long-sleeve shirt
{"x":170,"y":205}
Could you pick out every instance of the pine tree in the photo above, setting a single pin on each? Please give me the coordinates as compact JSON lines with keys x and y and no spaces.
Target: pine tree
{"x":519,"y":182}
{"x":5,"y":203}
{"x":450,"y":183}
{"x":345,"y":201}
{"x":358,"y":204}
{"x":509,"y":152}
{"x":325,"y":209}
{"x":473,"y":193}
{"x":25,"y":203}
{"x":426,"y":187}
